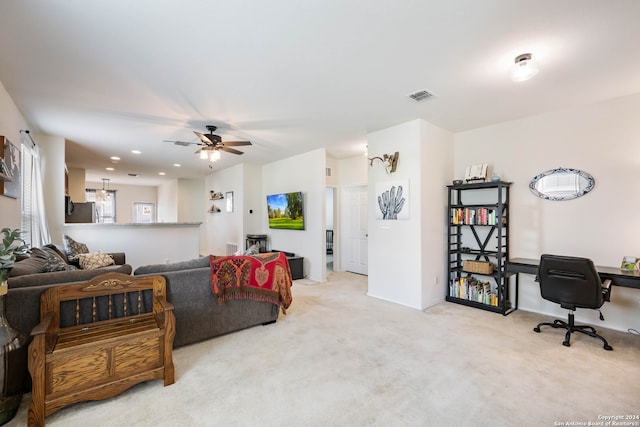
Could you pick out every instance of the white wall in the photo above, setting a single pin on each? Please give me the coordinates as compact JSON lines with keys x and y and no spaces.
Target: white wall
{"x":304,"y":172}
{"x":11,"y":121}
{"x":436,"y":158}
{"x":223,"y":226}
{"x":405,"y":256}
{"x":192,"y":207}
{"x":601,"y":139}
{"x":252,"y":199}
{"x":167,"y":194}
{"x":52,"y":168}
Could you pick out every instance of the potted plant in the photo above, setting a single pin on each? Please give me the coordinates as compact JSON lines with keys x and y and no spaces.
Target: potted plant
{"x":12,"y":245}
{"x":13,"y":343}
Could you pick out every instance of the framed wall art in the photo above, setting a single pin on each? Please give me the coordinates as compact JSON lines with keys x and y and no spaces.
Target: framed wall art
{"x":393,"y":200}
{"x":11,"y":165}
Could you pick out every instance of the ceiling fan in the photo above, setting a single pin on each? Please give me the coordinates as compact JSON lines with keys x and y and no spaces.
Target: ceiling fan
{"x":212,"y":144}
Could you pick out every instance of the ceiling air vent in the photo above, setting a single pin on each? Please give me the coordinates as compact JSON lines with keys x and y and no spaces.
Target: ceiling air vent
{"x":420,"y":95}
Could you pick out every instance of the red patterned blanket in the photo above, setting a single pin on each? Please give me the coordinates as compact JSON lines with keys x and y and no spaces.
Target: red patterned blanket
{"x":262,"y":277}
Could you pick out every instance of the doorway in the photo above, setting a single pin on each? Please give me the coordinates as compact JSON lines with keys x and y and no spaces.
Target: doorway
{"x":330,"y":232}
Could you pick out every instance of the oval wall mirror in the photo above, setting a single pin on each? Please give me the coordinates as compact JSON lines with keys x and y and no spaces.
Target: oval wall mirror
{"x":562,"y":184}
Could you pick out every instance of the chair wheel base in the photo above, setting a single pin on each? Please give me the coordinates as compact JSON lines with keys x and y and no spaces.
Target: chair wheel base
{"x":571,"y":327}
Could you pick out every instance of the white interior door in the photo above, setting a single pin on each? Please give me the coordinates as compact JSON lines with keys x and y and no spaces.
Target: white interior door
{"x":357,"y":230}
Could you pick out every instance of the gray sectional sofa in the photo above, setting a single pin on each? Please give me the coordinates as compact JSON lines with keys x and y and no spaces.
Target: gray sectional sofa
{"x":198,"y":314}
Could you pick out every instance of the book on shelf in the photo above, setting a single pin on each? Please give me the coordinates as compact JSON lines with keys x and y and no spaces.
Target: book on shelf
{"x":477,"y":216}
{"x":472,"y":289}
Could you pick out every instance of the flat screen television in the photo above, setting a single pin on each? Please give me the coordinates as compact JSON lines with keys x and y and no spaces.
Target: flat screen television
{"x":286,"y":211}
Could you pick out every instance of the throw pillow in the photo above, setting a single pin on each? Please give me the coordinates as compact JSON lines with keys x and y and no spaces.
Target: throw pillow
{"x":73,"y":248}
{"x":54,"y":262}
{"x":93,"y":260}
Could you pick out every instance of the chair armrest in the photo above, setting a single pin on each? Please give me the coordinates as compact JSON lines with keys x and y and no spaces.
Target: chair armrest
{"x":46,"y":328}
{"x":606,"y":290}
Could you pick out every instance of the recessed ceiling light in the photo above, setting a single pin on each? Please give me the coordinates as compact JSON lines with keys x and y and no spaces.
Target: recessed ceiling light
{"x":161,"y":173}
{"x":114,"y":158}
{"x":109,"y":169}
{"x":136,"y":152}
{"x":177,"y":165}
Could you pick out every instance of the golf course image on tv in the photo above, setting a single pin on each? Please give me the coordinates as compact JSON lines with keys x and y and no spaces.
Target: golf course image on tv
{"x":285,"y":211}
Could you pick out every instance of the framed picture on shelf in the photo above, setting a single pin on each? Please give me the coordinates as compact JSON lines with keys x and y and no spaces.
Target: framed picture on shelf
{"x":229,"y":197}
{"x":628,"y":263}
{"x":476,"y":173}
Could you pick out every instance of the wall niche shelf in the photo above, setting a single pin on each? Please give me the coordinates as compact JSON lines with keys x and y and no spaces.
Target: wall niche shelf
{"x":478,"y":232}
{"x":213,"y":195}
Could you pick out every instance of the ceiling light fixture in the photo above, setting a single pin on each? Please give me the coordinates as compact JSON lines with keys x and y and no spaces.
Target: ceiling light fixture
{"x":104,"y":191}
{"x":204,"y":155}
{"x":214,"y":156}
{"x":524,"y":68}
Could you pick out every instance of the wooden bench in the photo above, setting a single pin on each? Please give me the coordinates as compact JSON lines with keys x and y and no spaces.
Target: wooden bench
{"x":97,"y":339}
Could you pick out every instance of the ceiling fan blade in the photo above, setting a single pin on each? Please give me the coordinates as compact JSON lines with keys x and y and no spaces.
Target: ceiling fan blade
{"x":181,"y":143}
{"x":231,"y":150}
{"x":202,"y":137}
{"x":235,"y":143}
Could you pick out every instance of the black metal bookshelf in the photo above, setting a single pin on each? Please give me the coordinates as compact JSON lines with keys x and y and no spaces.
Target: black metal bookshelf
{"x":478,"y":230}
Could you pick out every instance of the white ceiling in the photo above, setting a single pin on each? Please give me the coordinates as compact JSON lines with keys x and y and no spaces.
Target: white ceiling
{"x":291,"y":76}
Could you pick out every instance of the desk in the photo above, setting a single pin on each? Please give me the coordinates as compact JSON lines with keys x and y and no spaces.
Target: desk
{"x":627,"y":279}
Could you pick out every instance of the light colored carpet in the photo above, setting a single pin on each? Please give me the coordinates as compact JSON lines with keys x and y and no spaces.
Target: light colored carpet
{"x":340,"y":358}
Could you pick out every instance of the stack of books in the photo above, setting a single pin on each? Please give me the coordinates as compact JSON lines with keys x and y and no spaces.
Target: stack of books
{"x":472,"y":289}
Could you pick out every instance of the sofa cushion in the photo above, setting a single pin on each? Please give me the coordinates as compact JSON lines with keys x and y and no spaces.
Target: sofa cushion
{"x":73,"y":248}
{"x":93,"y":260}
{"x":183,"y":265}
{"x":56,"y":277}
{"x":29,"y":265}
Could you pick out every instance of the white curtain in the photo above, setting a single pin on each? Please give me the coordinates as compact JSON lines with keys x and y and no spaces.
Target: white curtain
{"x":34,"y":222}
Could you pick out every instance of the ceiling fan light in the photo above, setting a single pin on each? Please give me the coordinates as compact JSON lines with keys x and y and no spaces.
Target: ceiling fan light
{"x":524,"y":68}
{"x":214,"y":156}
{"x":203,"y":155}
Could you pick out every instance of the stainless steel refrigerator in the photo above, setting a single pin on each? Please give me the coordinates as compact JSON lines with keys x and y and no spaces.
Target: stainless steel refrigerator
{"x":80,"y":212}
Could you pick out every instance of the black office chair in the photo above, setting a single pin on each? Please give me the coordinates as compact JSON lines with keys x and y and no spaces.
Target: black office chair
{"x":573,"y":283}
